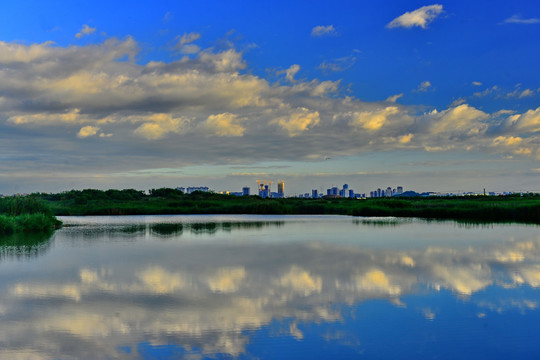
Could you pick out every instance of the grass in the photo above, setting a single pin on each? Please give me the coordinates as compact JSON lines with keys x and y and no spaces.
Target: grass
{"x":26,"y":214}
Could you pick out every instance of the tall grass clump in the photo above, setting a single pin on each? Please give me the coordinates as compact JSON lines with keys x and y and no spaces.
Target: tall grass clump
{"x":26,"y":214}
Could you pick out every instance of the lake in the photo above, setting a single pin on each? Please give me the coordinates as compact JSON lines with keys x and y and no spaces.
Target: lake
{"x":271,"y":287}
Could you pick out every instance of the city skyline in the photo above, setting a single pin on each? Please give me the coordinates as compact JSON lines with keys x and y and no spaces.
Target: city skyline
{"x":441,"y":96}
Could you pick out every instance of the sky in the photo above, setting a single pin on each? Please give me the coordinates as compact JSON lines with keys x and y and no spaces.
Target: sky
{"x":431,"y":96}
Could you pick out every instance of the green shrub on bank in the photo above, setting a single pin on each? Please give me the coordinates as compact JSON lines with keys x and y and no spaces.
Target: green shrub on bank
{"x":28,"y":223}
{"x":26,"y":214}
{"x":7,"y":224}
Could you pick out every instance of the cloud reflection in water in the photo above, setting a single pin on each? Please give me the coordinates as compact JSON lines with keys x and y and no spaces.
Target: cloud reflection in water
{"x":209,"y":295}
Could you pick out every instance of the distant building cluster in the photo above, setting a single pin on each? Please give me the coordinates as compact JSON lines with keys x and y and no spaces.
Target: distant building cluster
{"x":191,"y":189}
{"x":389,"y":192}
{"x":264,"y":189}
{"x":334,"y":191}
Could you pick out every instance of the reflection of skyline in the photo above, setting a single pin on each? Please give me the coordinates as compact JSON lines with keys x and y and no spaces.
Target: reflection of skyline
{"x":211,"y":296}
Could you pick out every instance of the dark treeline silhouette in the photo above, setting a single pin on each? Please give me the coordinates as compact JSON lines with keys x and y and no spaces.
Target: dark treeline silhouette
{"x":514,"y":208}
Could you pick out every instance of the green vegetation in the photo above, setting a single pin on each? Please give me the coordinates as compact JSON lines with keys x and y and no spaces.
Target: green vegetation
{"x":515,"y":208}
{"x":26,"y":214}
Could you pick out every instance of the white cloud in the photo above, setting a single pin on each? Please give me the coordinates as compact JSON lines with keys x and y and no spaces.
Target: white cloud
{"x":185,"y":104}
{"x":188,"y":38}
{"x":462,"y":119}
{"x":323,"y":30}
{"x":394,"y":98}
{"x":225,"y":124}
{"x":421,"y":17}
{"x":290,"y":73}
{"x":156,"y":126}
{"x":487,"y":91}
{"x":526,"y":93}
{"x":517,"y":19}
{"x":373,"y":120}
{"x":11,"y":53}
{"x":72,"y":116}
{"x":529,"y":121}
{"x":298,"y":121}
{"x":184,"y":44}
{"x":477,"y":83}
{"x":405,"y":139}
{"x":518,"y":93}
{"x":339,"y":64}
{"x":507,"y":140}
{"x":86,"y":30}
{"x":87,"y":131}
{"x":424,"y":86}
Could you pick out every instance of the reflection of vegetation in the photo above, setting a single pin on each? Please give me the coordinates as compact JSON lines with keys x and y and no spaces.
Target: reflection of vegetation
{"x":203,"y":228}
{"x":24,"y":245}
{"x":170,"y":201}
{"x":132,"y":229}
{"x":26,"y":214}
{"x":167,"y":229}
{"x":383,"y":222}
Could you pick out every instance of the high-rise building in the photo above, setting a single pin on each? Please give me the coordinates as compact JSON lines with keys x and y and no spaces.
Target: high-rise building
{"x":399,"y":190}
{"x":245,"y":190}
{"x":264,"y":188}
{"x":388,"y":191}
{"x":314,"y":194}
{"x":281,"y":188}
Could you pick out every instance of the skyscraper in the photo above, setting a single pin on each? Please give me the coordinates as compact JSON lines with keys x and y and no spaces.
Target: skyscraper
{"x":281,"y":188}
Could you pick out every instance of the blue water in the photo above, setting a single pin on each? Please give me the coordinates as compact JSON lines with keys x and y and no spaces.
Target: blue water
{"x":271,"y":287}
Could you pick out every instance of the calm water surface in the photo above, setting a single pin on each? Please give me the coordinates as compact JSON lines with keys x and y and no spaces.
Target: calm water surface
{"x":271,"y":287}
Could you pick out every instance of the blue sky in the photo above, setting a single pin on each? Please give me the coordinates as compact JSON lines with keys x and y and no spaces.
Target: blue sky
{"x":430,"y":96}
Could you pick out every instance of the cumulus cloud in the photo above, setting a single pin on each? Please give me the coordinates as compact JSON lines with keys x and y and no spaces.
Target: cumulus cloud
{"x":156,"y":126}
{"x":394,"y":98}
{"x":405,"y":139}
{"x":225,"y":124}
{"x":421,"y":17}
{"x":323,"y":30}
{"x":462,"y":119}
{"x":87,"y":131}
{"x":183,"y":105}
{"x":291,"y":72}
{"x":298,"y":121}
{"x":520,"y":94}
{"x":517,"y":19}
{"x":72,"y":116}
{"x":373,"y":120}
{"x":86,"y":30}
{"x":184,"y":44}
{"x":529,"y":121}
{"x":477,"y":83}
